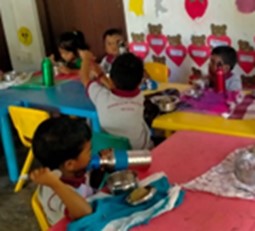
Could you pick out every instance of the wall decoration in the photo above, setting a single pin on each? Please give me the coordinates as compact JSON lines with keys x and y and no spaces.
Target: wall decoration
{"x":139,"y":47}
{"x":198,"y":50}
{"x":248,"y":82}
{"x":175,"y":50}
{"x":246,"y":56}
{"x":196,"y":74}
{"x":159,"y":7}
{"x":136,"y":6}
{"x":25,"y":36}
{"x":196,"y":8}
{"x":245,"y":6}
{"x":159,"y":59}
{"x":219,"y":36}
{"x":156,"y":40}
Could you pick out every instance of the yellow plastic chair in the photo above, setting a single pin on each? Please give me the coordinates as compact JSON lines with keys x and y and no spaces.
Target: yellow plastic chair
{"x":26,"y":121}
{"x":38,"y":211}
{"x":157,"y":71}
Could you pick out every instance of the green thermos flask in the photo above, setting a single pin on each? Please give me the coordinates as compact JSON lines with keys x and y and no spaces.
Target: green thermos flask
{"x":47,"y":72}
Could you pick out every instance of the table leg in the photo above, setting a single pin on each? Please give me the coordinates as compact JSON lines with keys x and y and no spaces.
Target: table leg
{"x":95,"y":124}
{"x":9,"y":149}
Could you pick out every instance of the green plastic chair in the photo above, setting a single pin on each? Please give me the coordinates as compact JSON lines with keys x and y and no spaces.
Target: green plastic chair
{"x":101,"y":141}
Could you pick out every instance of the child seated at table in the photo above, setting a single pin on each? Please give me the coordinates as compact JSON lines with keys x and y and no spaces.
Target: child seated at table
{"x":112,"y":40}
{"x":118,"y":100}
{"x":225,"y":57}
{"x":62,"y":144}
{"x":68,"y":45}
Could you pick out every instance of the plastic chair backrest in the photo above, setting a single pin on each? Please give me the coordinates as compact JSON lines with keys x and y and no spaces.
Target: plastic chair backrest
{"x":38,"y":211}
{"x":101,"y":141}
{"x":157,"y":71}
{"x":26,"y":121}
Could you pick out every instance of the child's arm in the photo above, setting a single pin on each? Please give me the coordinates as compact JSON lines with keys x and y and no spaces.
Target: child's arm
{"x":76,"y":206}
{"x":68,"y":71}
{"x":88,"y":65}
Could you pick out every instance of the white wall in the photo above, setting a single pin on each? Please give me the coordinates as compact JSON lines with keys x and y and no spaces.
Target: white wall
{"x":177,"y":21}
{"x":15,"y":14}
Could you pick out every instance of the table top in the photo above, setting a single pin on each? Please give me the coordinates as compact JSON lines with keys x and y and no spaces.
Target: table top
{"x":192,"y":121}
{"x":69,"y":96}
{"x":199,"y":211}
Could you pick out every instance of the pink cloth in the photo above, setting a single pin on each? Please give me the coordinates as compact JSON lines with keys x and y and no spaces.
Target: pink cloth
{"x":210,"y":103}
{"x":183,"y":157}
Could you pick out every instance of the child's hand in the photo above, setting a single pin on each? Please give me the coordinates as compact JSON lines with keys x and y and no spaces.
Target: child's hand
{"x":64,"y":70}
{"x":52,"y":58}
{"x":43,"y":176}
{"x":87,"y":55}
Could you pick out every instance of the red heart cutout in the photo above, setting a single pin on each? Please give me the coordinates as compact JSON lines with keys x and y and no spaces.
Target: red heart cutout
{"x":140,"y":49}
{"x":157,"y":42}
{"x":214,"y":41}
{"x":176,"y":53}
{"x":246,"y":60}
{"x":199,"y":53}
{"x":196,"y":8}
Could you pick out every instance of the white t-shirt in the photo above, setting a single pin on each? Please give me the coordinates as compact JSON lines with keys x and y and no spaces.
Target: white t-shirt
{"x":53,"y":206}
{"x":121,"y":113}
{"x":234,"y":83}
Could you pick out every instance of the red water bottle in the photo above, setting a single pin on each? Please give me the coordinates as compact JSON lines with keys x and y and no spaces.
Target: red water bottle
{"x":220,"y":80}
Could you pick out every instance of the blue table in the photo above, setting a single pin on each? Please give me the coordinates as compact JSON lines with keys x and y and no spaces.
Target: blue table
{"x":68,"y":98}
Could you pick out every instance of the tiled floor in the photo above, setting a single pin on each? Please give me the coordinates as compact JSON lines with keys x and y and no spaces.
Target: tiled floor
{"x":15,"y":209}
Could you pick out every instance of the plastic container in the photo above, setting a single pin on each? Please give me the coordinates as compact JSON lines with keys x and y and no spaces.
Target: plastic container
{"x":47,"y":72}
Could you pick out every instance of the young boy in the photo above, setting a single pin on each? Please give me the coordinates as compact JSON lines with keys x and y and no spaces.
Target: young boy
{"x":225,"y":57}
{"x":118,"y":100}
{"x":112,"y":39}
{"x":62,"y":144}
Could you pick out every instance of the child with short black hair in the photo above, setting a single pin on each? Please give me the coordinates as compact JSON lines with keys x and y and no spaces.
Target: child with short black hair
{"x":62,"y":144}
{"x":118,"y":100}
{"x":112,"y":40}
{"x":226,"y":57}
{"x":68,"y":45}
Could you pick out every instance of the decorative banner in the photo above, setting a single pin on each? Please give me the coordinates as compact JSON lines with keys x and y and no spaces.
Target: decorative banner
{"x":246,"y":60}
{"x":246,"y":56}
{"x":196,"y":74}
{"x":245,"y":6}
{"x":198,"y":51}
{"x":248,"y":82}
{"x":156,"y":40}
{"x":196,"y":8}
{"x":136,"y":6}
{"x":219,"y":36}
{"x":25,"y":36}
{"x":139,"y":47}
{"x":159,"y":59}
{"x":159,"y":8}
{"x":176,"y":51}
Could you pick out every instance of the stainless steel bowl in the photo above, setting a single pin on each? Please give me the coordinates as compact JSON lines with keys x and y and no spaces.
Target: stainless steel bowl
{"x":166,"y":103}
{"x":122,"y":181}
{"x":245,"y":167}
{"x":10,"y":76}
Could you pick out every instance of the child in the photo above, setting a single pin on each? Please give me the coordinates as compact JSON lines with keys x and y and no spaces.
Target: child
{"x":225,"y":57}
{"x":118,"y":100}
{"x":62,"y":144}
{"x":112,"y":40}
{"x":68,"y":45}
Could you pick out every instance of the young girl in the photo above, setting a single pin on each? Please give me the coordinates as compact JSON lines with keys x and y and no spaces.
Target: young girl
{"x":68,"y":45}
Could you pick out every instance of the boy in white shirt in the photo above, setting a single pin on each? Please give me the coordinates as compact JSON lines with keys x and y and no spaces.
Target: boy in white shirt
{"x":62,"y":144}
{"x":118,"y":100}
